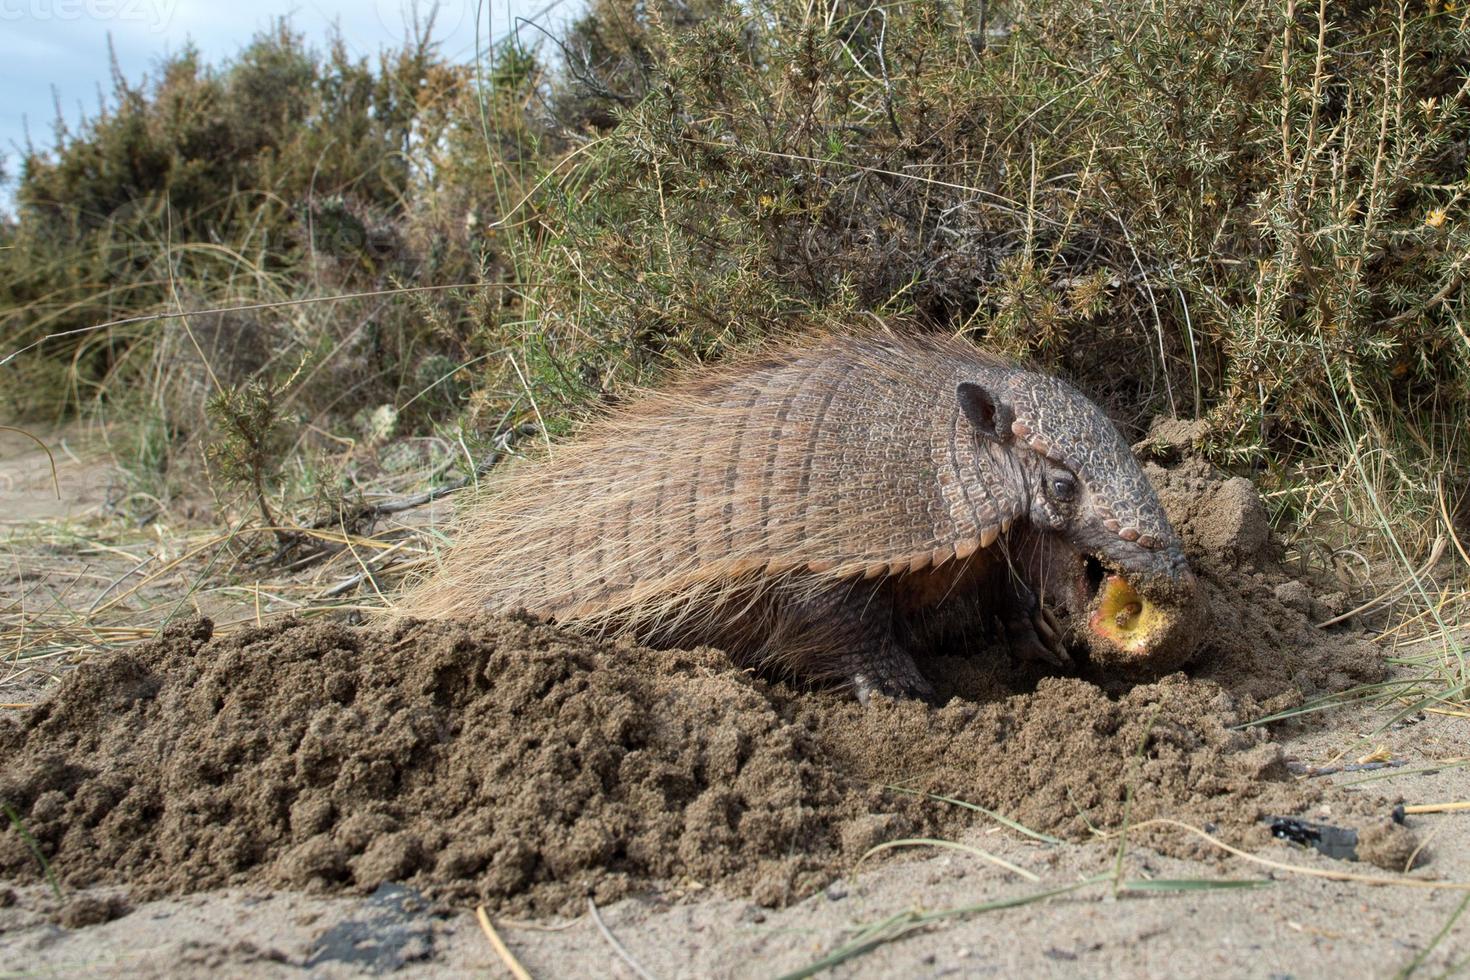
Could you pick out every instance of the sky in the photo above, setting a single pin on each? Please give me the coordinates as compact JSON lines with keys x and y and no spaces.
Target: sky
{"x":56,"y":50}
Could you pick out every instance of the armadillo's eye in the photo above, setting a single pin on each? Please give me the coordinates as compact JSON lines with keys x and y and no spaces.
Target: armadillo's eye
{"x":1063,"y":487}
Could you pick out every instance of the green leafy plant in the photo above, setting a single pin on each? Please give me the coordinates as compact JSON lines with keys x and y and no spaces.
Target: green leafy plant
{"x":253,"y":433}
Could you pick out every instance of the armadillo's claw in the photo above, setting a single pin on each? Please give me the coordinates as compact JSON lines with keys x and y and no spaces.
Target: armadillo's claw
{"x":1047,"y":626}
{"x":1038,"y":637}
{"x":865,"y":685}
{"x":1050,"y":628}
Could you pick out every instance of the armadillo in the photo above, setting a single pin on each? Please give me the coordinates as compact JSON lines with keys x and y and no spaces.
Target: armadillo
{"x":828,"y":507}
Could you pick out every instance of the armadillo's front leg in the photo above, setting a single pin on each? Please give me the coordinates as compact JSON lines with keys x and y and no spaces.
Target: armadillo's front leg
{"x":885,"y":668}
{"x":853,"y":630}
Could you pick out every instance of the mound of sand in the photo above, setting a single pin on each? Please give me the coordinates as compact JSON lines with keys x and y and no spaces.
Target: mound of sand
{"x":509,"y":762}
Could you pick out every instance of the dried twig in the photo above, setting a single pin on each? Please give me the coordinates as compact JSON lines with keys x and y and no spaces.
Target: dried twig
{"x":369,"y":512}
{"x":1302,"y":769}
{"x":501,"y":950}
{"x":1389,"y":595}
{"x":1438,"y":807}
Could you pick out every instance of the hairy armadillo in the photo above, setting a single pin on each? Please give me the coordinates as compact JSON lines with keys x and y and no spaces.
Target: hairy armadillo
{"x":829,"y":506}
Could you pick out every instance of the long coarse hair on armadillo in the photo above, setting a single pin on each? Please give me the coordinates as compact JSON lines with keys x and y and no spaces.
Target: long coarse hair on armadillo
{"x":680,"y":514}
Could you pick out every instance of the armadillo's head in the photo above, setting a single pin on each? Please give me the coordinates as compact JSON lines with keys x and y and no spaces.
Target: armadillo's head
{"x":1125,"y":583}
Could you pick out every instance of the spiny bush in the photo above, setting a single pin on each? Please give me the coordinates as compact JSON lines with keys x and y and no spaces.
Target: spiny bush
{"x":286,"y":167}
{"x":253,"y":434}
{"x":1253,"y":212}
{"x":285,"y":178}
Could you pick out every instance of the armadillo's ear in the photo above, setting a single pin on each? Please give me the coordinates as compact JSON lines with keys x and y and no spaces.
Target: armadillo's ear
{"x":990,"y":417}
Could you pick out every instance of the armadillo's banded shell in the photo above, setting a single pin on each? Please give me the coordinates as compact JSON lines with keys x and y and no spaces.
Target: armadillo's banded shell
{"x":848,"y":457}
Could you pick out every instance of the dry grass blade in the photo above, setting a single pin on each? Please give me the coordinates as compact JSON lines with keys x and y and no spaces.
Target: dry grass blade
{"x":904,"y":923}
{"x":984,"y":855}
{"x":1142,"y":885}
{"x":55,"y":481}
{"x":1410,"y":581}
{"x":496,"y":943}
{"x":1440,"y":766}
{"x":1449,"y":521}
{"x":1438,"y":807}
{"x":1459,"y":886}
{"x":612,"y":941}
{"x":1433,"y":944}
{"x":1000,"y":818}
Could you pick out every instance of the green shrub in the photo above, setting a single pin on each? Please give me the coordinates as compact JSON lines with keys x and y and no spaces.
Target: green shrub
{"x":1248,"y":211}
{"x":1253,"y":212}
{"x":290,"y":203}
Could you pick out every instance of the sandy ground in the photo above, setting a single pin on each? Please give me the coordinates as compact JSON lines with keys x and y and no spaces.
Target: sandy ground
{"x":27,"y":490}
{"x":1294,"y":926}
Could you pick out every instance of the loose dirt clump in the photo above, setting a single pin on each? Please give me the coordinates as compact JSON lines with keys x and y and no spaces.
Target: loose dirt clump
{"x":1261,"y":643}
{"x":503,"y":760}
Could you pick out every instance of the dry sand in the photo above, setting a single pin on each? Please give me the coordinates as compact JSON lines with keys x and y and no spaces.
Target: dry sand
{"x":1296,"y":926}
{"x":323,"y":796}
